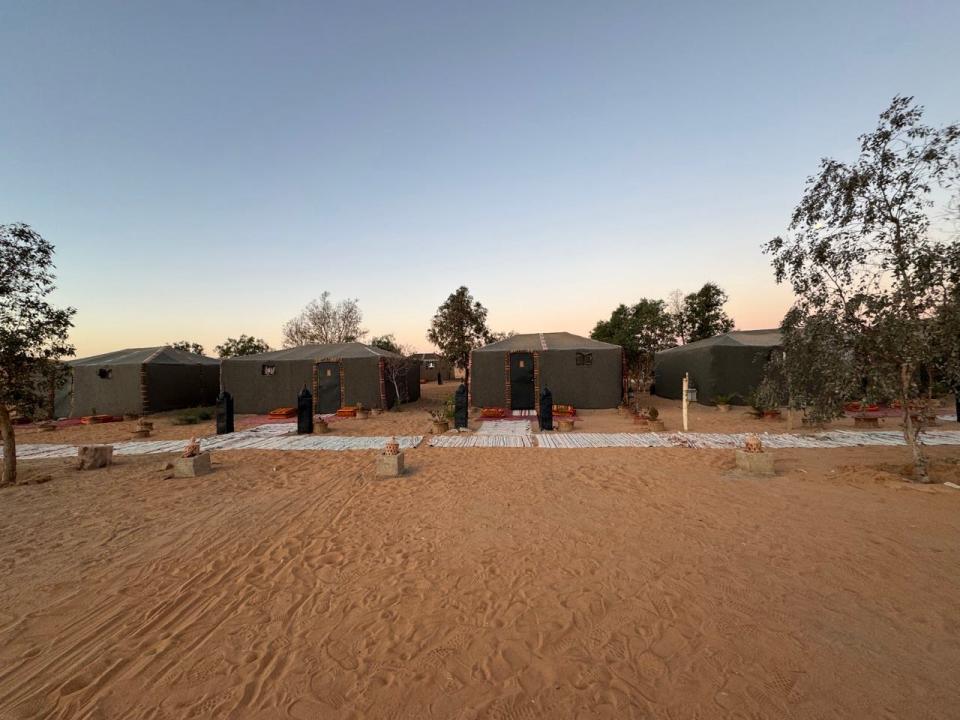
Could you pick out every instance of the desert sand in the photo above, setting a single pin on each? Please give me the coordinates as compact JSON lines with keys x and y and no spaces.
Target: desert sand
{"x":503,"y":584}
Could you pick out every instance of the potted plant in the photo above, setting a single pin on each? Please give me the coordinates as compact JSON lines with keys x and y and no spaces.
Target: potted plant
{"x":441,"y":417}
{"x":769,"y":397}
{"x":362,"y":412}
{"x":653,"y":420}
{"x":722,"y":402}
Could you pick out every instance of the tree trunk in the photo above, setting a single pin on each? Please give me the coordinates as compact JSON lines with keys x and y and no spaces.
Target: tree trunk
{"x":9,"y":447}
{"x":396,"y":389}
{"x":911,"y":434}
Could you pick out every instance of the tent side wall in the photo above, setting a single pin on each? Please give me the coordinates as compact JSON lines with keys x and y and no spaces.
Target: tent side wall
{"x":669,"y":368}
{"x":115,"y":395}
{"x":737,"y":371}
{"x":255,"y":393}
{"x":361,"y":382}
{"x":594,"y":386}
{"x":174,"y":387}
{"x":488,"y":379}
{"x":714,"y":370}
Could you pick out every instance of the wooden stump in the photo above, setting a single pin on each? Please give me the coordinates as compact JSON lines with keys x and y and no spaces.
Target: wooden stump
{"x":90,"y":457}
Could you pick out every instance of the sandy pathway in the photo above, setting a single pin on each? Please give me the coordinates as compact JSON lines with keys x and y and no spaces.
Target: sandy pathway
{"x":503,"y":584}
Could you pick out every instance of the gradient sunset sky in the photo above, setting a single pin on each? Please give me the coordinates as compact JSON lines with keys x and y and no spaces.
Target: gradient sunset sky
{"x":207,"y":168}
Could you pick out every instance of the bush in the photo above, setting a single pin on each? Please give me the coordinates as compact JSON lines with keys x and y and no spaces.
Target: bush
{"x":653,"y":413}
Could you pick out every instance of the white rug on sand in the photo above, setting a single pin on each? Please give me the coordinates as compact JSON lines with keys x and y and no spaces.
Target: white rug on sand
{"x":504,"y":427}
{"x":273,"y":436}
{"x":834,"y":439}
{"x":481,"y":440}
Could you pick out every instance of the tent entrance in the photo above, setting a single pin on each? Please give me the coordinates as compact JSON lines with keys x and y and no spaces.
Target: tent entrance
{"x":328,"y":388}
{"x":522,"y":394}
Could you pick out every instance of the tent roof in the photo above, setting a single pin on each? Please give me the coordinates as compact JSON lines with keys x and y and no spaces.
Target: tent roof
{"x":740,"y":338}
{"x":334,"y":351}
{"x":547,"y":341}
{"x":161,"y":355}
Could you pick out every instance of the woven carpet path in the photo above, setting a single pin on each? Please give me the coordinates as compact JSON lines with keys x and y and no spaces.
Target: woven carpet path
{"x":275,"y":436}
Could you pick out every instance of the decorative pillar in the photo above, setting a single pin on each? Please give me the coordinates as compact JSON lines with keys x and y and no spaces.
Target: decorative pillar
{"x":507,"y":393}
{"x":383,"y":385}
{"x":536,"y":380}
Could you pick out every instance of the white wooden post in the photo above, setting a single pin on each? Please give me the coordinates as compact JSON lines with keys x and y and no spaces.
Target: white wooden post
{"x":686,"y":388}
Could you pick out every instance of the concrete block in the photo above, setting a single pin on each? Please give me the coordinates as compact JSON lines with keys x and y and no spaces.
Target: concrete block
{"x":192,"y":466}
{"x":90,"y":457}
{"x":755,"y":463}
{"x":390,"y":465}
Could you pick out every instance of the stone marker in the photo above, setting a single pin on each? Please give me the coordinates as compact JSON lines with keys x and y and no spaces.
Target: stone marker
{"x":565,"y":425}
{"x":390,"y":461}
{"x":656,"y":425}
{"x":90,"y":457}
{"x":192,"y":466}
{"x":752,"y":459}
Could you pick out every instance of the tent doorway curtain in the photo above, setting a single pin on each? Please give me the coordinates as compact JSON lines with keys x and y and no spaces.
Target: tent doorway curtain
{"x":328,"y":388}
{"x":522,"y":393}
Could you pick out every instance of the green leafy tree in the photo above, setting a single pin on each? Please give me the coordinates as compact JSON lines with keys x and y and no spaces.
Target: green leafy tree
{"x":243,"y":345}
{"x":187,"y":346}
{"x":862,"y":256}
{"x":642,"y":330}
{"x":459,"y":326}
{"x":702,"y":315}
{"x":33,"y":333}
{"x":387,"y":342}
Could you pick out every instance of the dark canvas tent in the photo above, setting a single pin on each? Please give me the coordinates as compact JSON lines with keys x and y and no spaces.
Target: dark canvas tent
{"x":138,"y":381}
{"x":579,"y":371}
{"x":338,"y":375}
{"x":730,"y":364}
{"x":432,"y":364}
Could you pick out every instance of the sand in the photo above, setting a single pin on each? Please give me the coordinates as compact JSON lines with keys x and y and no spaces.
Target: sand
{"x":495,"y":584}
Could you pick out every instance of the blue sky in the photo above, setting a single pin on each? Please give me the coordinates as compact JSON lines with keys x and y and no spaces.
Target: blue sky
{"x":205,"y":169}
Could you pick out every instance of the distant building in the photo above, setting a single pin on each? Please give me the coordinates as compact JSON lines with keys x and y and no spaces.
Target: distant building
{"x":138,"y":381}
{"x":432,"y":364}
{"x":579,"y":371}
{"x":337,"y":375}
{"x":730,"y":364}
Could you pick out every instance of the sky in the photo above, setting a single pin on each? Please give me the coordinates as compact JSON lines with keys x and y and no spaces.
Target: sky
{"x":205,"y":169}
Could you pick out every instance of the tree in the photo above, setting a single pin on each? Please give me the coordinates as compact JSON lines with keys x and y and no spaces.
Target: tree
{"x":459,"y":326}
{"x":323,"y":322}
{"x":498,"y":336}
{"x":388,"y":342}
{"x":862,"y":258}
{"x":702,"y":315}
{"x":675,"y":306}
{"x":396,"y":370}
{"x":243,"y":345}
{"x":642,"y":330}
{"x":187,"y":346}
{"x":33,"y":333}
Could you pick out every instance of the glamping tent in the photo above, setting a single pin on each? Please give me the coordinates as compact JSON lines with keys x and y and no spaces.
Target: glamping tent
{"x":432,"y":364}
{"x":730,"y":364}
{"x":579,"y":371}
{"x":338,"y":375}
{"x":138,"y":381}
